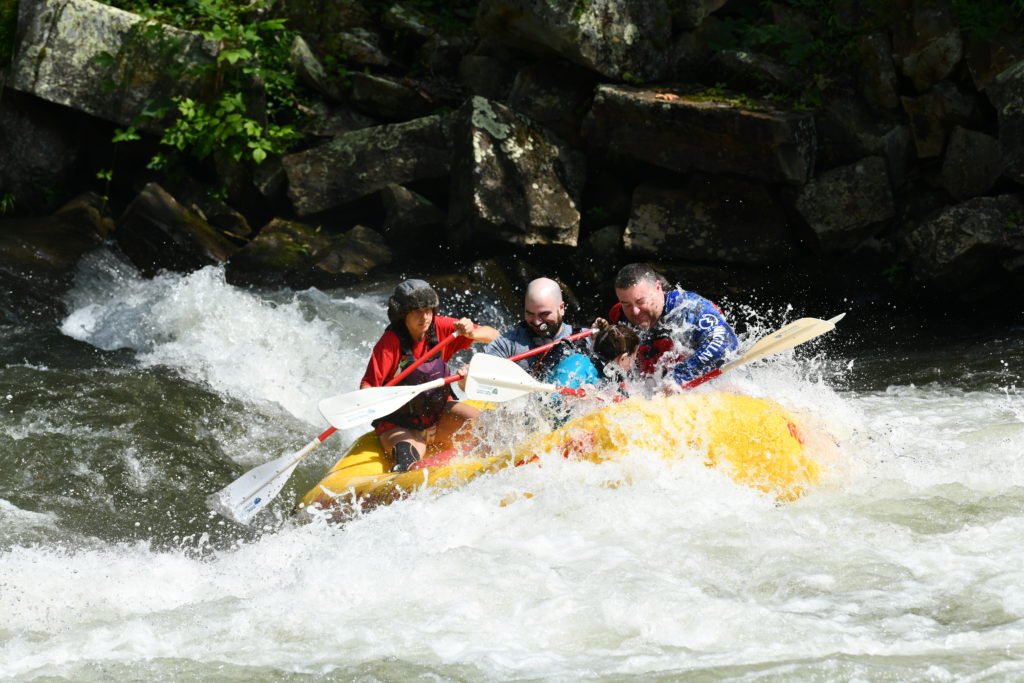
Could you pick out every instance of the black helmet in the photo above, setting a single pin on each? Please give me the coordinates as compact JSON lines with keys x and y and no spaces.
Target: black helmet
{"x":411,"y":295}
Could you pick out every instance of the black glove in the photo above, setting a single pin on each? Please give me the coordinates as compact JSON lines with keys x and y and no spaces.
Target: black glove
{"x":405,"y":456}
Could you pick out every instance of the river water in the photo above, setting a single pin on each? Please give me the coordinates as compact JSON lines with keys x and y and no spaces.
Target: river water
{"x":125,"y":401}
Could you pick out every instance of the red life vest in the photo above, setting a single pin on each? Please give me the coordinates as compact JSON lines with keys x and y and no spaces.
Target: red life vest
{"x":424,"y":410}
{"x":655,"y":342}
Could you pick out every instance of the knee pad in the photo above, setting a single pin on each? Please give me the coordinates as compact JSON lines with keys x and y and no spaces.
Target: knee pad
{"x":405,"y":456}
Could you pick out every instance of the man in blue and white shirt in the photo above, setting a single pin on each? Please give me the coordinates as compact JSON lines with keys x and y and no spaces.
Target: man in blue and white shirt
{"x":682,"y":334}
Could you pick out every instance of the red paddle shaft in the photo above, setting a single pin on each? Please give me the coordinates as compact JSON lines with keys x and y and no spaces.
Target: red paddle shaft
{"x":454,"y":378}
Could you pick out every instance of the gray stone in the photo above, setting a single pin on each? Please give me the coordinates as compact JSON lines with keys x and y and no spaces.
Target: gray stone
{"x":684,"y":133}
{"x":411,"y":221}
{"x":362,"y":47}
{"x":847,"y":204}
{"x":1006,"y":92}
{"x":600,"y":254}
{"x":744,"y":68}
{"x":713,"y":219}
{"x":156,"y":232}
{"x":974,"y":246}
{"x":848,"y":131}
{"x":689,"y":14}
{"x":55,"y":243}
{"x":365,"y":161}
{"x":511,"y":181}
{"x":38,"y":150}
{"x":60,"y":59}
{"x":554,"y":95}
{"x":972,"y":164}
{"x":933,"y":115}
{"x":354,"y":253}
{"x":310,"y":71}
{"x":620,"y":39}
{"x":928,"y":43}
{"x":388,"y":98}
{"x":879,"y":83}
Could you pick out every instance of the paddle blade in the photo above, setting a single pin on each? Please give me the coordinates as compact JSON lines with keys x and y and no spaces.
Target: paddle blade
{"x":240,"y":500}
{"x":362,"y":406}
{"x":497,"y":379}
{"x":790,"y":336}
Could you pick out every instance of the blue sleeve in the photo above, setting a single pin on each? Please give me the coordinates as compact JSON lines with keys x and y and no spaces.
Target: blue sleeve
{"x":712,"y":339}
{"x":573,"y":371}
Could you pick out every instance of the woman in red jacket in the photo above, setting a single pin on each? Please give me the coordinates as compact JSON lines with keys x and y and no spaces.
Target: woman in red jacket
{"x":415,"y":328}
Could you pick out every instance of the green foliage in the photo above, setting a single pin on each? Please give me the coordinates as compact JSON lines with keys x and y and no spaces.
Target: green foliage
{"x":815,"y":45}
{"x":7,"y":202}
{"x":8,"y":26}
{"x":249,"y":113}
{"x":201,"y":128}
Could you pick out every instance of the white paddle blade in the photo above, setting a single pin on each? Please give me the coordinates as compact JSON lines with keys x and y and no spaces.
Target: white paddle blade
{"x":497,"y":379}
{"x":790,"y":336}
{"x":359,"y":407}
{"x":240,"y":500}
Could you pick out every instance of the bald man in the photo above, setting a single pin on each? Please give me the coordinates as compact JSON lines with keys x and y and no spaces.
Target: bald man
{"x":543,"y":310}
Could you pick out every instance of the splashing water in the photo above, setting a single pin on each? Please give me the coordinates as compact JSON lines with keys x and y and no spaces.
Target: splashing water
{"x":906,"y":564}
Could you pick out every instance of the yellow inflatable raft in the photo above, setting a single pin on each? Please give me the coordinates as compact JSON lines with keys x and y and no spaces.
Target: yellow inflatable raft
{"x":756,"y":441}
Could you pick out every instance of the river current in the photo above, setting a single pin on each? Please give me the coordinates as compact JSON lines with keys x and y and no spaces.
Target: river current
{"x":124,"y":402}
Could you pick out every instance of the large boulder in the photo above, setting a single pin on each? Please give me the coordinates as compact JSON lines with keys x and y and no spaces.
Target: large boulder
{"x":927,"y":42}
{"x":56,"y":242}
{"x":972,"y":164}
{"x":848,"y":131}
{"x":554,"y":95}
{"x":361,"y":162}
{"x":974,"y":248}
{"x":38,"y":150}
{"x":619,"y":39}
{"x":156,"y":232}
{"x":933,"y":116}
{"x":684,"y":133}
{"x":847,"y":204}
{"x":712,"y":219}
{"x":105,"y":61}
{"x":411,"y":221}
{"x":512,"y":181}
{"x":296,"y":254}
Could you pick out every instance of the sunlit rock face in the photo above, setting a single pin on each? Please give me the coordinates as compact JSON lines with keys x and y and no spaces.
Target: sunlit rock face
{"x":365,"y":161}
{"x":682,"y":133}
{"x":106,"y":62}
{"x":620,"y":39}
{"x":512,"y":181}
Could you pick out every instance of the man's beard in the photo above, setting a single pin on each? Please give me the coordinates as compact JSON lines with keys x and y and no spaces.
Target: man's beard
{"x":546,"y":330}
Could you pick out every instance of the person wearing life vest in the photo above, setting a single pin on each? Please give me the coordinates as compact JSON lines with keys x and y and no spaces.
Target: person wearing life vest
{"x":682,"y":334}
{"x":606,"y":366}
{"x":415,"y":328}
{"x":543,"y":313}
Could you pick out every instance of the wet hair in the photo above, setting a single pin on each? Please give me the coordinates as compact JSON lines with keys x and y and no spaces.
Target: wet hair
{"x":634,"y":274}
{"x":411,"y":295}
{"x":615,"y":340}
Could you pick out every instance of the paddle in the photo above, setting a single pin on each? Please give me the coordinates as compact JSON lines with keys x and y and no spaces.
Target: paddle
{"x":790,"y":336}
{"x":356,"y":407}
{"x":240,"y":500}
{"x":495,"y":379}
